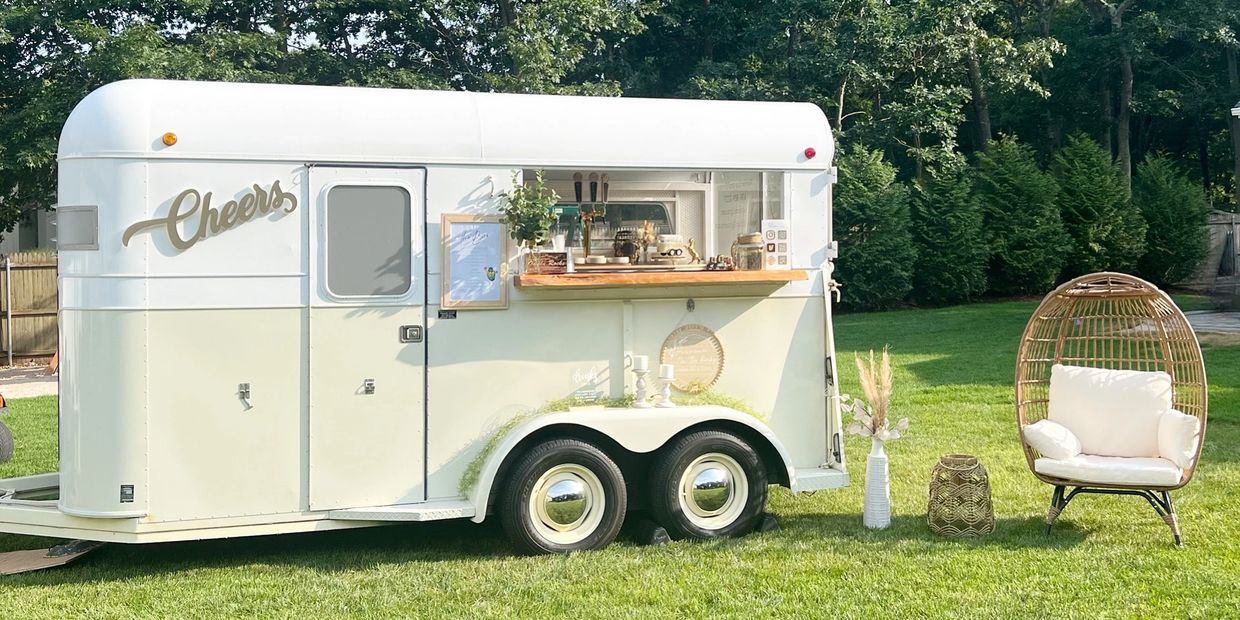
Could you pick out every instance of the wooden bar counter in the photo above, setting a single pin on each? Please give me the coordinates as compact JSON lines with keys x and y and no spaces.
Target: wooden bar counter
{"x":621,"y":279}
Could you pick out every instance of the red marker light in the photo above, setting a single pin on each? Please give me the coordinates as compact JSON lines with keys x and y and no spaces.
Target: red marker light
{"x":810,"y":153}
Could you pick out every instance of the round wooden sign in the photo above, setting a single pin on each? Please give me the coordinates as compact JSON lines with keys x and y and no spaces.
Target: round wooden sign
{"x":697,"y":356}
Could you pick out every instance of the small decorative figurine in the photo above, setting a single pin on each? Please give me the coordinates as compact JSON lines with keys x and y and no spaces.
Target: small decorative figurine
{"x":694,"y":257}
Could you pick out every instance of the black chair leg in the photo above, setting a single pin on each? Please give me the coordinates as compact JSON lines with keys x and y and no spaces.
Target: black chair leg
{"x":1057,"y":505}
{"x":1172,"y":520}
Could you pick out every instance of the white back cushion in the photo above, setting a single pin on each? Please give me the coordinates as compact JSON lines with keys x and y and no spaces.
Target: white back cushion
{"x":1111,"y":412}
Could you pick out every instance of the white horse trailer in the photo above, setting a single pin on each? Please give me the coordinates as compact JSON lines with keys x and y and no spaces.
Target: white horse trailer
{"x":273,"y":319}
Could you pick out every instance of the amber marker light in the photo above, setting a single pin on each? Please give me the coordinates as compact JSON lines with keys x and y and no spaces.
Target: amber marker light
{"x":169,"y":139}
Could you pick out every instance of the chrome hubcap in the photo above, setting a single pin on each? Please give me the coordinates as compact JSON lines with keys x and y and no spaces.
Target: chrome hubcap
{"x":713,"y":491}
{"x":567,"y":503}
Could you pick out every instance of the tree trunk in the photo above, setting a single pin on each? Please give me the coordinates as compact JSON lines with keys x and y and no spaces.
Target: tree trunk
{"x":708,"y":42}
{"x":1108,"y":116}
{"x":1123,"y":122}
{"x":279,"y":23}
{"x":981,"y":104}
{"x":1233,"y":79}
{"x":1045,"y":10}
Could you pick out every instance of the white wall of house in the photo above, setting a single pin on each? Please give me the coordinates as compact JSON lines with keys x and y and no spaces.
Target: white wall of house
{"x":37,"y":231}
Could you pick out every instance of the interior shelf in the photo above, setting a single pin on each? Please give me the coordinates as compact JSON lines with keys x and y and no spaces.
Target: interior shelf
{"x":657,"y":278}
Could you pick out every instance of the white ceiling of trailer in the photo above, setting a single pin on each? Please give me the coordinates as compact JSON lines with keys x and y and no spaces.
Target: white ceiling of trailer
{"x":217,"y":120}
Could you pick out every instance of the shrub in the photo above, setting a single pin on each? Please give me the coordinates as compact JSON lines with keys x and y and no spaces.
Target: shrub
{"x":1175,"y":207}
{"x":1108,"y":232}
{"x":872,"y":226}
{"x":1020,"y":221}
{"x":947,"y":233}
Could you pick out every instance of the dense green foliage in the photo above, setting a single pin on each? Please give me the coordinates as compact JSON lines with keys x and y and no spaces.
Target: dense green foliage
{"x":1108,"y":557}
{"x":927,"y":83}
{"x":872,"y":225}
{"x":1176,"y":211}
{"x":1108,"y":233}
{"x":947,"y":232}
{"x":1023,"y":229}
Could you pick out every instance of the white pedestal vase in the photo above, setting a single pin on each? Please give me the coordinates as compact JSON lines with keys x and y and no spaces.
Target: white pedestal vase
{"x":877,"y":512}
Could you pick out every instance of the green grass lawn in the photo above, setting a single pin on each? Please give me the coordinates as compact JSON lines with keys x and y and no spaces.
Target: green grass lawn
{"x":1108,"y":556}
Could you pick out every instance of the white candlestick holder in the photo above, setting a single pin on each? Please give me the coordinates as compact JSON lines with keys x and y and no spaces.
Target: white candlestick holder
{"x":639,"y":398}
{"x":666,"y":400}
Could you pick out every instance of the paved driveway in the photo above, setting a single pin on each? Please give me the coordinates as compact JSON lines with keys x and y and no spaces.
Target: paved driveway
{"x":26,"y":381}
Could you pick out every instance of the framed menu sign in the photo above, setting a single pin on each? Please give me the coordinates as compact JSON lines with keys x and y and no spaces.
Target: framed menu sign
{"x":475,"y":262}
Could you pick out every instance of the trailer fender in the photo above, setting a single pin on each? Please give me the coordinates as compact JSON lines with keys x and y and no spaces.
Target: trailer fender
{"x":637,"y":430}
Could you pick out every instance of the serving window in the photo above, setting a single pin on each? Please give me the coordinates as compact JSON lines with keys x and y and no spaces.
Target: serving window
{"x":627,"y":221}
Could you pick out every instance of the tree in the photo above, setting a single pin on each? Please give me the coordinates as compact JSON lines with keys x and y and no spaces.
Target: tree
{"x":1112,"y":13}
{"x":1023,"y":230}
{"x":1107,"y":231}
{"x":54,"y":52}
{"x":872,"y":226}
{"x":947,"y":232}
{"x":1177,"y":240}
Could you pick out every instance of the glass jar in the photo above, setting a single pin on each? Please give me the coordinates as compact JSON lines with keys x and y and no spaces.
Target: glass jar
{"x":748,"y":252}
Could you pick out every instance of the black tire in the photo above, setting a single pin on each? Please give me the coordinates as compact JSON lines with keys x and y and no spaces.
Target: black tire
{"x":6,"y":443}
{"x":566,"y":457}
{"x":737,"y":515}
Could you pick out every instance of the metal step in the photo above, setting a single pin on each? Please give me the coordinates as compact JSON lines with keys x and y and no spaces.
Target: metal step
{"x":428,"y":511}
{"x":817,"y":478}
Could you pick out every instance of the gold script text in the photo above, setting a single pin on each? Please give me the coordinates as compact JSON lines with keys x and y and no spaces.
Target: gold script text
{"x":190,"y":204}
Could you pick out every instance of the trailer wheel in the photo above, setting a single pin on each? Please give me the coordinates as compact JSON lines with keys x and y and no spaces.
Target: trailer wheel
{"x":563,"y":495}
{"x":709,"y":484}
{"x":6,"y":443}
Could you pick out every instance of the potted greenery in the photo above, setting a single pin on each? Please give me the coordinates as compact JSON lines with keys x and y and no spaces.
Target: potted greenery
{"x":528,"y":213}
{"x":870,"y":420}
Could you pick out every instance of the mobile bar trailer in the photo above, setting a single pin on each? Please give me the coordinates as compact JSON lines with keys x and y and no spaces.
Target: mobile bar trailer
{"x":295,"y":308}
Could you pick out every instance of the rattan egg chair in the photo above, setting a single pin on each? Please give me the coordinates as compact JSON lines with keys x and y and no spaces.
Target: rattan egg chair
{"x":1110,"y":321}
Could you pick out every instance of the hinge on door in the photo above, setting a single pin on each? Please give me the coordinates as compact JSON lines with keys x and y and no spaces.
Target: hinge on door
{"x":830,"y":372}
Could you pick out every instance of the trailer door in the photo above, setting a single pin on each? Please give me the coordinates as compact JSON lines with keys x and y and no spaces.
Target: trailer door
{"x":367,"y":359}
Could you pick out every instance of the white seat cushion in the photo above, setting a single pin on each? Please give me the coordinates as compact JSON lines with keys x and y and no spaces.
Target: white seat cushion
{"x":1135,"y":471}
{"x":1052,"y":440}
{"x":1111,"y":412}
{"x":1177,"y":438}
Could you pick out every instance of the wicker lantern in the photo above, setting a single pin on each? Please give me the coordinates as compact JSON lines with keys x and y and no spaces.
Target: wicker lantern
{"x":960,"y":497}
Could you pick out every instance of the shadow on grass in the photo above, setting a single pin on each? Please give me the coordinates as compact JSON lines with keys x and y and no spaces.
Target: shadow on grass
{"x":332,"y":551}
{"x":368,"y":548}
{"x":1010,"y":533}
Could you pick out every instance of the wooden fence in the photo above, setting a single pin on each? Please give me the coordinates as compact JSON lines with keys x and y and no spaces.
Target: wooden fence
{"x":28,"y":305}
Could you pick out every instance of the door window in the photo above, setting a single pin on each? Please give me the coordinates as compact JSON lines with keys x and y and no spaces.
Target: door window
{"x":369,"y":241}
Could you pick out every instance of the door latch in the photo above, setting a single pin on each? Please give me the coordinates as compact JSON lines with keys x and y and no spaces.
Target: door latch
{"x":243,"y":392}
{"x":368,"y":386}
{"x":411,"y":333}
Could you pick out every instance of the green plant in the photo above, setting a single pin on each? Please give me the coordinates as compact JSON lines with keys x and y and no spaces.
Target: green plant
{"x":872,"y":226}
{"x":1108,"y":232}
{"x":1020,"y":221}
{"x":1176,"y":210}
{"x":947,"y":232}
{"x":528,"y":210}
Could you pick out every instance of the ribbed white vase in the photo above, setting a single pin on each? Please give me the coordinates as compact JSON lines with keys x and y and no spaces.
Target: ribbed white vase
{"x":877,"y":512}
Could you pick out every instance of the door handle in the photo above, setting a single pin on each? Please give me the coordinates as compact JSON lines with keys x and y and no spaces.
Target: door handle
{"x":411,"y":333}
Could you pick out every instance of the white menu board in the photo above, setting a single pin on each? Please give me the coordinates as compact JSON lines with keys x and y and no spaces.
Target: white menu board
{"x":475,"y":262}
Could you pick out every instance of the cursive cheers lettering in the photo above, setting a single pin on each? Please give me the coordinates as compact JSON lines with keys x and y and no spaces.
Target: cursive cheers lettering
{"x":189,"y":204}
